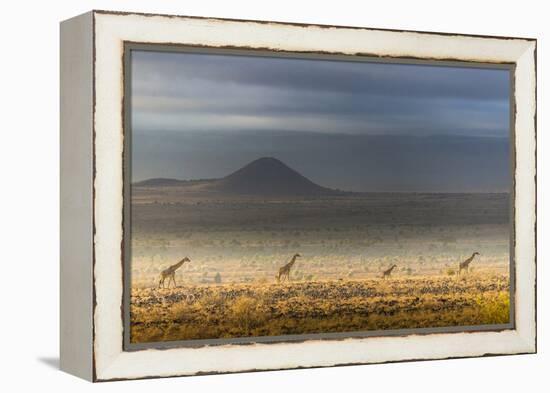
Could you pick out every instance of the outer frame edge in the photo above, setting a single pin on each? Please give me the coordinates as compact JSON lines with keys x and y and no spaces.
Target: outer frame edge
{"x":226,"y":372}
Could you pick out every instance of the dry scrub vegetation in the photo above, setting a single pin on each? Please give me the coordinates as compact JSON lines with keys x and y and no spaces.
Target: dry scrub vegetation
{"x":245,"y":310}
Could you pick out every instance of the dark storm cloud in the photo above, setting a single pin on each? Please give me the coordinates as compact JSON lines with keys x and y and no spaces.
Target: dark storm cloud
{"x":332,"y":76}
{"x":220,"y":111}
{"x":195,"y":91}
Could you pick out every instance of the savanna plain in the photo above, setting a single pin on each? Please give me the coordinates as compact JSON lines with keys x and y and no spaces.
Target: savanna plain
{"x":236,"y":246}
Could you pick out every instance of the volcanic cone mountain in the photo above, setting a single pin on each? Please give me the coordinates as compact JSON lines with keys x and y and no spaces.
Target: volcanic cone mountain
{"x":269,"y":176}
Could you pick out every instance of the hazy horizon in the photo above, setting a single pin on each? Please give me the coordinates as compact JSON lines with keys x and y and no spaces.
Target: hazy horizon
{"x":354,"y":126}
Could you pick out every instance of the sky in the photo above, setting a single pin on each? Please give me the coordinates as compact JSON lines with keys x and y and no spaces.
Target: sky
{"x":358,"y":126}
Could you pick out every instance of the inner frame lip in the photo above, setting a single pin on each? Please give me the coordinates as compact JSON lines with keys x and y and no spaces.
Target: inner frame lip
{"x":169,"y":47}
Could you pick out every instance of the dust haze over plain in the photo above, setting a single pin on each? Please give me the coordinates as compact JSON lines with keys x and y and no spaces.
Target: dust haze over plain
{"x":352,"y":126}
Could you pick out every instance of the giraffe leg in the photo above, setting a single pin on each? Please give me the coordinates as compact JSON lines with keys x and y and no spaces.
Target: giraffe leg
{"x":174,"y":278}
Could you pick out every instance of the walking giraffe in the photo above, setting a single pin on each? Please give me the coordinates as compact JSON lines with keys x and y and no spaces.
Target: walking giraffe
{"x":285,"y":270}
{"x":387,"y":273}
{"x":465,"y":265}
{"x":170,"y":273}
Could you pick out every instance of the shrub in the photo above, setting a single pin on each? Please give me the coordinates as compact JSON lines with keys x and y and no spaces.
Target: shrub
{"x":218,"y":278}
{"x":247,"y":314}
{"x":495,"y":310}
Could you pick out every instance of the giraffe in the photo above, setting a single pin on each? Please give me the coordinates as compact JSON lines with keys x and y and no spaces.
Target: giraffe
{"x":466,"y":264}
{"x":387,"y":273}
{"x":285,"y":270}
{"x":170,"y":273}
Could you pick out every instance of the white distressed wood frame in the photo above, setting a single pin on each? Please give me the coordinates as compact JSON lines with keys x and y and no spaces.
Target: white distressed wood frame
{"x":95,"y":351}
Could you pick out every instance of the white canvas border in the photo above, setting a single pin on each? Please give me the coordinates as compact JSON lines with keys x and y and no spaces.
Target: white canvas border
{"x":110,"y":33}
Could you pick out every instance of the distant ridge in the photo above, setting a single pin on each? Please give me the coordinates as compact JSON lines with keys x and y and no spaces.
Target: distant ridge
{"x":266,"y":176}
{"x":168,"y":182}
{"x":158,"y":182}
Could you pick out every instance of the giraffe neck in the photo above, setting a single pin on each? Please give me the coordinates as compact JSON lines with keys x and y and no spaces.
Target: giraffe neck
{"x":467,"y":261}
{"x":177,"y":265}
{"x":292,"y":261}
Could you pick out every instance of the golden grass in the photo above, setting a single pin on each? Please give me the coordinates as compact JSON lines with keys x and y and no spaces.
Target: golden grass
{"x":269,"y":309}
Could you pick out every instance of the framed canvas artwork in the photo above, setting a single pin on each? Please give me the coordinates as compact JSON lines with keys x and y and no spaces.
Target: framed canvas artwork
{"x":246,"y":195}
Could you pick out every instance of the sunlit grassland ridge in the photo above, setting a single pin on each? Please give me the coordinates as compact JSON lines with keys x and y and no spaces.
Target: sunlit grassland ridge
{"x":251,"y":310}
